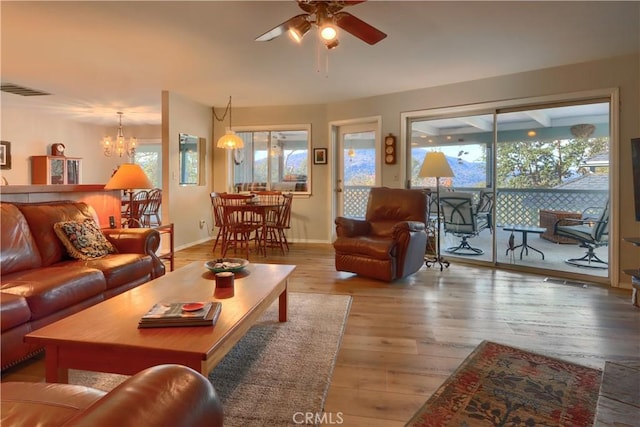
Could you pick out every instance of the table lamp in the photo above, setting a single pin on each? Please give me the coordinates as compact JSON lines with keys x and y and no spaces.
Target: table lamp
{"x":128,"y":177}
{"x":435,"y":165}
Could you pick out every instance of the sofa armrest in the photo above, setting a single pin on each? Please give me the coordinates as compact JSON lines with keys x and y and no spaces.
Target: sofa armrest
{"x":137,"y":241}
{"x":350,"y":227}
{"x":163,"y":395}
{"x":133,"y":240}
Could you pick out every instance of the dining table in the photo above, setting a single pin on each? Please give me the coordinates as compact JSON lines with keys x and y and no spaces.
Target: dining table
{"x":257,"y":213}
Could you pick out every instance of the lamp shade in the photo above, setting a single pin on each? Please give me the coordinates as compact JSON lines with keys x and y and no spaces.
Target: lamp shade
{"x":435,"y":165}
{"x":230,"y":141}
{"x":127,"y":177}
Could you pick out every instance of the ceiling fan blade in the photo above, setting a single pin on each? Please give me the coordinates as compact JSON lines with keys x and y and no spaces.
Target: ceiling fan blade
{"x":281,"y":29}
{"x":358,"y":28}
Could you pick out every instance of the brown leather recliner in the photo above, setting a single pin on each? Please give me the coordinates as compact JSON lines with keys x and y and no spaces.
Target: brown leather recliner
{"x":390,"y":242}
{"x":161,"y":396}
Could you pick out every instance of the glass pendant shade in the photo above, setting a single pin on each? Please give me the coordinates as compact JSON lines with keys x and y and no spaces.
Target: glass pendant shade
{"x":230,"y":141}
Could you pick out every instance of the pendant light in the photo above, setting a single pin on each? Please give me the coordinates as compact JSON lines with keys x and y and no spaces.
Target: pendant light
{"x":229,"y":140}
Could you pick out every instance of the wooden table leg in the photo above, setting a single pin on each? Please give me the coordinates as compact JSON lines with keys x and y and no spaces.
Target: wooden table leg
{"x":283,"y":302}
{"x":53,"y":373}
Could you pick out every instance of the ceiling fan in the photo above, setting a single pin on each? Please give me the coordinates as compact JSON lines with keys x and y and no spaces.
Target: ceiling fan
{"x":326,"y":15}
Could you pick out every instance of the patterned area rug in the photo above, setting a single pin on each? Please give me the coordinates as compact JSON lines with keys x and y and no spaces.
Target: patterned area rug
{"x":498,"y":385}
{"x":277,"y":370}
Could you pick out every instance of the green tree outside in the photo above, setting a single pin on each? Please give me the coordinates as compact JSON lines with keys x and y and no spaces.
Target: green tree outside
{"x":545,"y":164}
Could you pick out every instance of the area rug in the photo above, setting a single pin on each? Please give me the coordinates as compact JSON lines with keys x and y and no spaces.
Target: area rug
{"x":278,"y":369}
{"x":498,"y":385}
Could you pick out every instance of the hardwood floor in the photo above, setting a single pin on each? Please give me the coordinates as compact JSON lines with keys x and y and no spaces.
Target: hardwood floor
{"x":403,"y":339}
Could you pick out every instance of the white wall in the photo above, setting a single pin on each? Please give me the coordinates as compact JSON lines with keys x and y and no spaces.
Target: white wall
{"x":31,"y":133}
{"x":185,"y":206}
{"x":32,"y":130}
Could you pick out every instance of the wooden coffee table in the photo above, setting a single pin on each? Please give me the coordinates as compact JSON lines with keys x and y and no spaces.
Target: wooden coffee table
{"x":106,"y":338}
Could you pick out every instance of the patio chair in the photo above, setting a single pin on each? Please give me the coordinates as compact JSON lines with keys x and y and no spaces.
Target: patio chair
{"x":461,"y":219}
{"x":590,"y":232}
{"x":484,"y":206}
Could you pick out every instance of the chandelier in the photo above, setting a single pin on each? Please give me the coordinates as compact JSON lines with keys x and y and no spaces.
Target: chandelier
{"x":120,"y":146}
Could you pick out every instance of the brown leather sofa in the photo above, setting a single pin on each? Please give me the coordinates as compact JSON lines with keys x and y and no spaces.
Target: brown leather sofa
{"x":390,"y":242}
{"x":160,"y":396}
{"x":40,"y":283}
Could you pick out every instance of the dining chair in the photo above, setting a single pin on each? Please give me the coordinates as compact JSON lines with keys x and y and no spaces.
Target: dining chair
{"x":269,"y":196}
{"x":151,"y":215}
{"x":133,"y":217}
{"x":218,"y":214}
{"x":278,"y":221}
{"x":284,"y":222}
{"x":240,"y":223}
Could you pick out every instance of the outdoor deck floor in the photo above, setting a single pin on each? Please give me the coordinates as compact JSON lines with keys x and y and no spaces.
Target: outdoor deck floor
{"x":555,"y":254}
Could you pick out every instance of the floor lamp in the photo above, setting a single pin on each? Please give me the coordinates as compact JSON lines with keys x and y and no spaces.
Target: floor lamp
{"x":435,"y":165}
{"x":128,"y":177}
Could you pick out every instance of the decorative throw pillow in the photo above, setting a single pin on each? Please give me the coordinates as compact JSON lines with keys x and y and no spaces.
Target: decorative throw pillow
{"x":83,"y":240}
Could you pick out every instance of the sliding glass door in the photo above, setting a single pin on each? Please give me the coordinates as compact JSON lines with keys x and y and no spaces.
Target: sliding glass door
{"x":553,"y":171}
{"x":527,"y":170}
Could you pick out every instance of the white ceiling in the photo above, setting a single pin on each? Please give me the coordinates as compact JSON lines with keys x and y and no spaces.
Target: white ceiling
{"x":97,"y":58}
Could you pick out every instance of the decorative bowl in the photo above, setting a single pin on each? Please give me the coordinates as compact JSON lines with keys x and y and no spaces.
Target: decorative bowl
{"x":226,"y":264}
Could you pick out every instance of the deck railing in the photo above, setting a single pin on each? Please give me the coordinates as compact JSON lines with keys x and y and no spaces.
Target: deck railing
{"x":513,"y":206}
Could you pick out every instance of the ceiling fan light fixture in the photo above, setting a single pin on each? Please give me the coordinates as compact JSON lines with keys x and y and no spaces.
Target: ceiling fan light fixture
{"x":328,"y":32}
{"x":298,"y":31}
{"x":332,"y":44}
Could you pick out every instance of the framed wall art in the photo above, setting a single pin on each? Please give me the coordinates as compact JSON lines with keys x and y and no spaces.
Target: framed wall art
{"x":319,"y":156}
{"x":5,"y":155}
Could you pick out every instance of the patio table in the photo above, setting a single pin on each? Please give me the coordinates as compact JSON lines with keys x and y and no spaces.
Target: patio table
{"x":524,"y":229}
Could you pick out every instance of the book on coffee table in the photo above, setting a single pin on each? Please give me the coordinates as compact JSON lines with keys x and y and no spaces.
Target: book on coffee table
{"x":163,"y":315}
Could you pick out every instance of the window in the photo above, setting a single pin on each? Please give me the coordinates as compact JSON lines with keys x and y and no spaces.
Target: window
{"x":273,"y":158}
{"x":466,"y":142}
{"x":149,"y":156}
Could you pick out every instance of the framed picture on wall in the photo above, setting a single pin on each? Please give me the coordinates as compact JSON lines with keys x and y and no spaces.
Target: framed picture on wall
{"x":319,"y":156}
{"x":5,"y":155}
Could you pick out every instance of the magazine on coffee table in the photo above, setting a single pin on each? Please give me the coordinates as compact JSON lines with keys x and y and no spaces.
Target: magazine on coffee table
{"x":171,"y":314}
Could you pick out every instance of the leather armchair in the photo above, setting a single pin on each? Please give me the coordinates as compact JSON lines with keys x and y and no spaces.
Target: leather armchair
{"x":163,"y":395}
{"x":390,"y":242}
